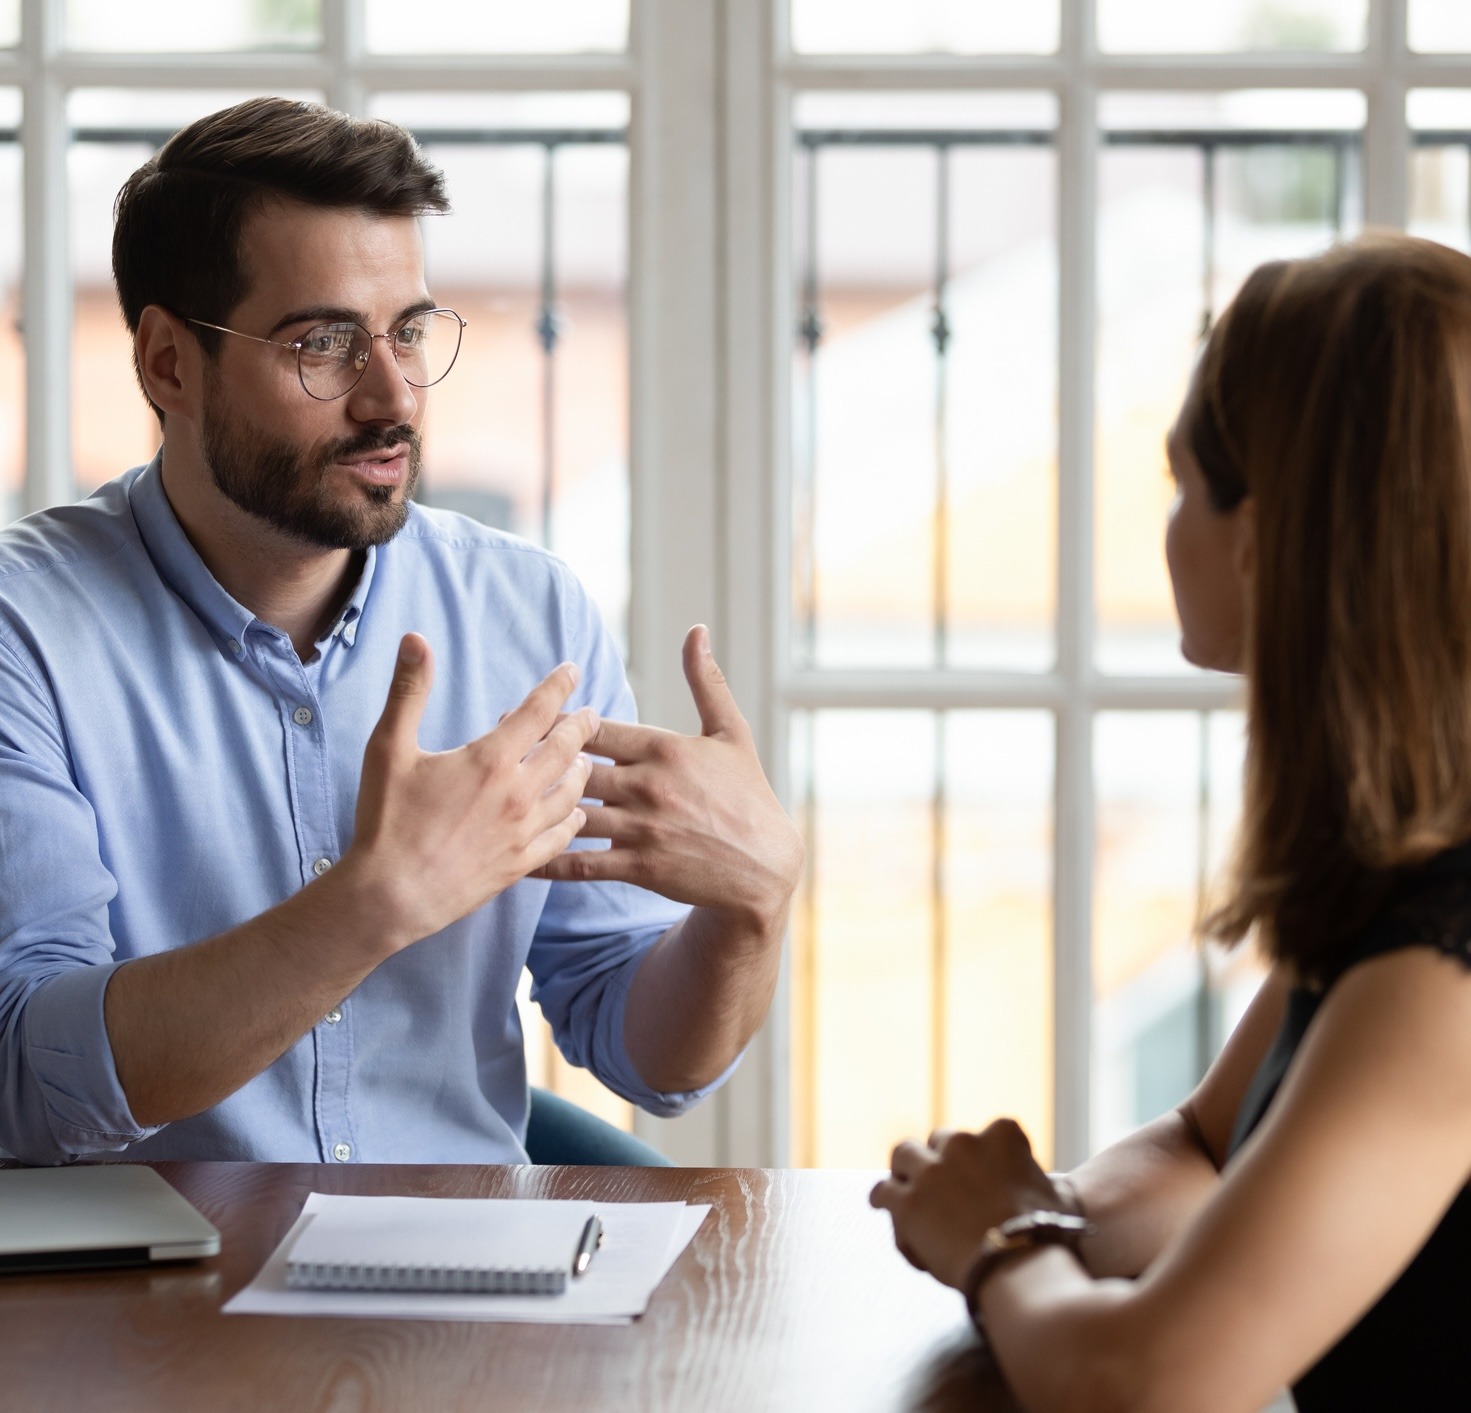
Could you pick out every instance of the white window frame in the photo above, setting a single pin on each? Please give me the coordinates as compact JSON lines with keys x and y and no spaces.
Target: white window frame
{"x":762,"y":75}
{"x":669,"y":72}
{"x":712,"y":322}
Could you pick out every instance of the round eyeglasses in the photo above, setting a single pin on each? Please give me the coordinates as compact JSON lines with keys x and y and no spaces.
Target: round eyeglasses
{"x":332,"y":358}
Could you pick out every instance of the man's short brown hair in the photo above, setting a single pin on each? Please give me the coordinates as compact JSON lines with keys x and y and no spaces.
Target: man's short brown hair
{"x":178,"y":218}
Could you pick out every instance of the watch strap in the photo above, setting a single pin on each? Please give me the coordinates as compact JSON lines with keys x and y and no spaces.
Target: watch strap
{"x":1021,"y":1233}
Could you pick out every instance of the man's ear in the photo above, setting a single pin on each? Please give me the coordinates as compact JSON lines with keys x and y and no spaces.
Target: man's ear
{"x":169,"y":362}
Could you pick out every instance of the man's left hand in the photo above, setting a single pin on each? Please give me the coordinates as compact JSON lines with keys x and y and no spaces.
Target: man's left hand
{"x":690,"y":817}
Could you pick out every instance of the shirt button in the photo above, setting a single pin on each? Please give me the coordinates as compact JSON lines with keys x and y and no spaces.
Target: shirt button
{"x":302,"y":716}
{"x":236,"y":648}
{"x":342,"y":1152}
{"x":321,"y":866}
{"x":333,"y":1016}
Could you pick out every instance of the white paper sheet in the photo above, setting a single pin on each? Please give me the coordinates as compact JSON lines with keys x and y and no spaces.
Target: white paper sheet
{"x":641,"y":1241}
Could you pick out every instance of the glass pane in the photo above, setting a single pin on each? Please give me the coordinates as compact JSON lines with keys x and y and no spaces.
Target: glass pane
{"x":527,"y":439}
{"x":12,"y":355}
{"x":453,"y":27}
{"x":1440,"y":26}
{"x":998,"y":921}
{"x":909,"y":1011}
{"x":925,"y":485}
{"x":1168,"y":798}
{"x":865,"y":934}
{"x":9,"y":23}
{"x":1440,"y":165}
{"x":186,"y":25}
{"x":1195,"y":192}
{"x":1167,"y":27}
{"x":923,"y":27}
{"x":113,"y":428}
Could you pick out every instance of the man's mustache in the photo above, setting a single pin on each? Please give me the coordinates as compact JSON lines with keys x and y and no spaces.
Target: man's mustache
{"x":372,"y":439}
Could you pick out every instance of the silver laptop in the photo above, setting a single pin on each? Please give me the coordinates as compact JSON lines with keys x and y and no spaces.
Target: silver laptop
{"x":88,"y":1217}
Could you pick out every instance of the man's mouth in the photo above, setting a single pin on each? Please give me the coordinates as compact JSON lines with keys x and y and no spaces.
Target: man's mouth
{"x":387,"y":467}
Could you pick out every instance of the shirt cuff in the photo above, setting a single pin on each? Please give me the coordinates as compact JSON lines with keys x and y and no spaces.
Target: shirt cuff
{"x":70,"y":1060}
{"x":617,"y":1071}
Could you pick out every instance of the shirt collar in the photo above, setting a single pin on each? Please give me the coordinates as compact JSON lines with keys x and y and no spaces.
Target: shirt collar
{"x":179,"y":565}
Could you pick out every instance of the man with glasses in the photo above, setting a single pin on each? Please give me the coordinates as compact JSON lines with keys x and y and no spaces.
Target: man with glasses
{"x":263,"y":893}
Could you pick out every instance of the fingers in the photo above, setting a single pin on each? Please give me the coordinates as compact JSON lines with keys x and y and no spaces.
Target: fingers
{"x":551,"y":757}
{"x":891,"y":1196}
{"x":413,"y":674}
{"x":908,"y":1160}
{"x":595,"y":866}
{"x":552,"y":842}
{"x":608,"y":821}
{"x":566,"y":790}
{"x":521,"y":728}
{"x":608,"y":784}
{"x":627,"y":742}
{"x":719,"y":714}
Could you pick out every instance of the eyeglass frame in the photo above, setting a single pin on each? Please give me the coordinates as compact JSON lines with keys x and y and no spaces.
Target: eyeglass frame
{"x":296,"y":345}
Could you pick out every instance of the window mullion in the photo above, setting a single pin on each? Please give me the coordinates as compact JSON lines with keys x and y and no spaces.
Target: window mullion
{"x":344,"y":42}
{"x":47,"y":294}
{"x":1386,"y":132}
{"x":673,"y":334}
{"x":1073,"y":809}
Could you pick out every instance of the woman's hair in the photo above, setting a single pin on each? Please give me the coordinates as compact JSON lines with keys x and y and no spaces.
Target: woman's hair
{"x":1336,"y":392}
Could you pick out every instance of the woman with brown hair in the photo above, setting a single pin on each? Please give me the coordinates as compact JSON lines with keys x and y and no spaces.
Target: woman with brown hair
{"x":1304,"y":1216}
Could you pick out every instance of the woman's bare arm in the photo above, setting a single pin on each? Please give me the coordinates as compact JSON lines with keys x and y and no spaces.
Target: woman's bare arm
{"x":1144,"y":1189}
{"x":1365,"y":1147}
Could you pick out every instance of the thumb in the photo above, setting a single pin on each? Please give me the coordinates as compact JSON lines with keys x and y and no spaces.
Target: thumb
{"x":413,"y":674}
{"x":719,"y":714}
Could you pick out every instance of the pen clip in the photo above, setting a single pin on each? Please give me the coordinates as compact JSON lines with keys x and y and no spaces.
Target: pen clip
{"x":590,"y":1240}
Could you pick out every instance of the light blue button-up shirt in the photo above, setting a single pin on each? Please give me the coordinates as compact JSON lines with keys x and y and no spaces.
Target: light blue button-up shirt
{"x":169,"y":769}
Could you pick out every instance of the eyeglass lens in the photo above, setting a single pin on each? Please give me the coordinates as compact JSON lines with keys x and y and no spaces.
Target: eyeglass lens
{"x":333,"y":357}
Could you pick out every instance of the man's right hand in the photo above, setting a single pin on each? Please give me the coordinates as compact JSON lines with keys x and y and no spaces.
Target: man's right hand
{"x":438,"y":834}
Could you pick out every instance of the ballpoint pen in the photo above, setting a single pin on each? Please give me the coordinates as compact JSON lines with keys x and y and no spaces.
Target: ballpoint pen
{"x":590,"y":1240}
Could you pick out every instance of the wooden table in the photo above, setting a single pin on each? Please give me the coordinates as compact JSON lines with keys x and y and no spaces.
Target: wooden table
{"x":791,"y":1296}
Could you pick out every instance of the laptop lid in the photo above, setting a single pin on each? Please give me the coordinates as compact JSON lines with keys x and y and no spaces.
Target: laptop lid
{"x":96,"y":1216}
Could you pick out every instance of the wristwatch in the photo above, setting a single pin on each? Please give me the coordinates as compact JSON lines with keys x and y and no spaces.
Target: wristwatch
{"x":1022,"y":1233}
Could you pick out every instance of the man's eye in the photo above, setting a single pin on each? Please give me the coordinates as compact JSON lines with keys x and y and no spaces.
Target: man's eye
{"x":410,"y":336}
{"x":328,"y":343}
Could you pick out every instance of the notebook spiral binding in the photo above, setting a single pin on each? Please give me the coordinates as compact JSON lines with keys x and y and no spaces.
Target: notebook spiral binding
{"x":436,"y":1280}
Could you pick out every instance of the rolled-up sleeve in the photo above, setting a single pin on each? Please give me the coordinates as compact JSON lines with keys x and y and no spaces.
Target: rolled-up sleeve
{"x":59,"y":1093}
{"x":592,"y":937}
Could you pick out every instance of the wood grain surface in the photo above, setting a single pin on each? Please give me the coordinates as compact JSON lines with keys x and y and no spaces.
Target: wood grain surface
{"x":791,"y":1297}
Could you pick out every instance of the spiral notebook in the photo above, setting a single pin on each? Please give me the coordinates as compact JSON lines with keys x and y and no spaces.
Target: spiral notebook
{"x":483,"y":1246}
{"x":641,"y":1242}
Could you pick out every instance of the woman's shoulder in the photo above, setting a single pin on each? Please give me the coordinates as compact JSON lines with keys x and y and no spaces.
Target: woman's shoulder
{"x":1428,"y":906}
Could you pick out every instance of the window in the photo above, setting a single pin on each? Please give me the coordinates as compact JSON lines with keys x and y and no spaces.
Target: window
{"x":852,"y":329}
{"x":976,"y":519}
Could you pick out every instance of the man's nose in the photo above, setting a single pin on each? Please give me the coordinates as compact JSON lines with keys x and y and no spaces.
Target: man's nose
{"x":383,"y":394}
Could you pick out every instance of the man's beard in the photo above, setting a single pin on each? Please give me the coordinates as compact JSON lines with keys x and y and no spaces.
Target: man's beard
{"x":278,"y":483}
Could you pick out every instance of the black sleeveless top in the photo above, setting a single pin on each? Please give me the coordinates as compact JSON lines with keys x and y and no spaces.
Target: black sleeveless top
{"x":1412,"y":1350}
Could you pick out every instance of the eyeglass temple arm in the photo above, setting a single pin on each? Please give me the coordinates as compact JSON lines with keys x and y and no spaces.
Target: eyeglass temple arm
{"x":220,"y":328}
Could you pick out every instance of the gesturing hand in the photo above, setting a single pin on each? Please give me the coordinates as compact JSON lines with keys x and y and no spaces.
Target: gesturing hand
{"x":691,"y":817}
{"x":945,"y":1196}
{"x":440,"y":833}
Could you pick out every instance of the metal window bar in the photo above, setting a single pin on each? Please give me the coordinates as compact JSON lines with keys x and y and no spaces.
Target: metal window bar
{"x":1343,"y":145}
